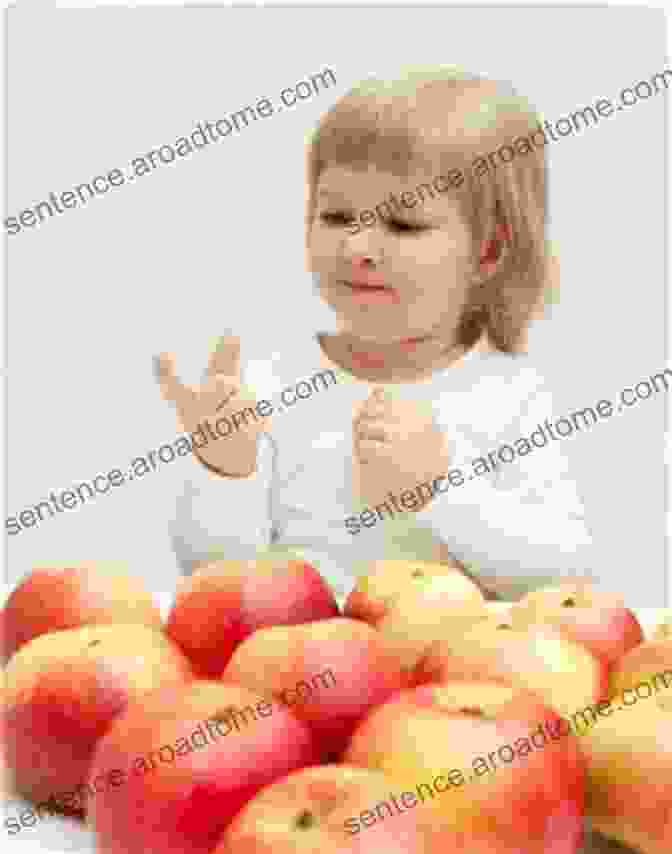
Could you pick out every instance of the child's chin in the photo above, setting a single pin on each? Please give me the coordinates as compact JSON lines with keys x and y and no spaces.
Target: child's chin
{"x":374,"y":327}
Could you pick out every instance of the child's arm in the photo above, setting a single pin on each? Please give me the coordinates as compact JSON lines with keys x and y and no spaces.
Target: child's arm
{"x":224,"y":508}
{"x":527,"y":521}
{"x":217,"y":517}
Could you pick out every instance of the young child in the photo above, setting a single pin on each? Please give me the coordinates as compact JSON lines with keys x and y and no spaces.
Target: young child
{"x":432,"y":256}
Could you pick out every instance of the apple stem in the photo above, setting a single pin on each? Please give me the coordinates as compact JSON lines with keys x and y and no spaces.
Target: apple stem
{"x":476,"y":711}
{"x":305,"y":820}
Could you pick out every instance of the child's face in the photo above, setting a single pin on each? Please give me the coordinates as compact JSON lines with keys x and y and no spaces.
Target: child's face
{"x":422,"y":256}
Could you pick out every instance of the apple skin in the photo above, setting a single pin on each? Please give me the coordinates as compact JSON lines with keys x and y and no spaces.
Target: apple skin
{"x":542,"y":660}
{"x":649,"y":662}
{"x":63,"y":691}
{"x":358,"y":670}
{"x":629,"y":776}
{"x":307,"y":811}
{"x":183,"y":805}
{"x":414,"y":624}
{"x":226,"y":601}
{"x":6,"y":783}
{"x":390,"y":582}
{"x":58,"y":598}
{"x":596,"y":618}
{"x":535,"y":805}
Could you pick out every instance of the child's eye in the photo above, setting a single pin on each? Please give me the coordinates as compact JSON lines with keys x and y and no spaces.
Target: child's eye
{"x":335,"y":218}
{"x":402,"y":227}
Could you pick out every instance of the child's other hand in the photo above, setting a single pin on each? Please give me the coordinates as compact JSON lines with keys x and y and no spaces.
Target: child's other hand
{"x":220,"y":396}
{"x":396,"y":446}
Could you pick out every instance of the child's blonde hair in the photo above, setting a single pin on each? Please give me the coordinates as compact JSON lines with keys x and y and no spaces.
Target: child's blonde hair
{"x":443,"y":119}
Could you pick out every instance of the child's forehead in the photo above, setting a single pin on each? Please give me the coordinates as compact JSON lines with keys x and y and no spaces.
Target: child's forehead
{"x":343,"y":181}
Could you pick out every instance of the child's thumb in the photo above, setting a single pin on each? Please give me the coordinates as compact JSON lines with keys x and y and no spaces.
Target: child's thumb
{"x":164,"y":371}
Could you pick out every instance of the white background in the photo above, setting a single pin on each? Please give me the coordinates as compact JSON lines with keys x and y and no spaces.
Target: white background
{"x":216,"y":242}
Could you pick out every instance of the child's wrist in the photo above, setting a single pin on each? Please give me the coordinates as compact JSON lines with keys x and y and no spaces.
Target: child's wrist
{"x":219,"y":472}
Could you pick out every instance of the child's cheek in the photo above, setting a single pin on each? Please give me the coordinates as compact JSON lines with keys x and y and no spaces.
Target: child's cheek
{"x":323,"y":250}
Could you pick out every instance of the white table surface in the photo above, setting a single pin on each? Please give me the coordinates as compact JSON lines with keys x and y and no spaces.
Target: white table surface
{"x":59,"y":834}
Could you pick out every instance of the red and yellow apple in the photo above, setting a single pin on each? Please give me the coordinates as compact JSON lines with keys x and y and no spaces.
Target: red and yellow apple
{"x":6,"y":784}
{"x":491,"y":760}
{"x":414,"y":625}
{"x":224,"y":602}
{"x":327,"y":809}
{"x":596,"y":618}
{"x":192,"y":758}
{"x":330,"y":673}
{"x":629,"y":782}
{"x":561,"y":672}
{"x":648,"y":664}
{"x":51,"y":599}
{"x":391,"y":583}
{"x":62,"y":692}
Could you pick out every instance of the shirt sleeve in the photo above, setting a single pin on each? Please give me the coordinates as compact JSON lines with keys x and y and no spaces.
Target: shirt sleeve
{"x":228,"y":517}
{"x":520,"y":524}
{"x":220,"y":517}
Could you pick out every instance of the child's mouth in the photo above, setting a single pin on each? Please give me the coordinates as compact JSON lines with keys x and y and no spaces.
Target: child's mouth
{"x":372,"y":293}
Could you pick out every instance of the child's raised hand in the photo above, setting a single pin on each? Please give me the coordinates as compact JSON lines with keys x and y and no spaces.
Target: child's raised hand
{"x":396,"y":446}
{"x":234,"y":452}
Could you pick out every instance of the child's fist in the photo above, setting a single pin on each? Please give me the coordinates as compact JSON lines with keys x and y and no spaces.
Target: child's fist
{"x":220,"y":396}
{"x":397,"y":446}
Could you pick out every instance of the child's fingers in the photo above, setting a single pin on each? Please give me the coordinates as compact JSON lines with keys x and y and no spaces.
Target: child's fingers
{"x":172,"y":388}
{"x":374,"y":410}
{"x":364,"y":420}
{"x":377,"y":401}
{"x":370,"y":410}
{"x":369,"y":450}
{"x":218,"y":390}
{"x":226,"y":357}
{"x":373,"y":430}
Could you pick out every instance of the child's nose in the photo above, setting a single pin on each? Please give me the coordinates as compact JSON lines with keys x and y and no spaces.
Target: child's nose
{"x":363,"y":251}
{"x":362,"y":261}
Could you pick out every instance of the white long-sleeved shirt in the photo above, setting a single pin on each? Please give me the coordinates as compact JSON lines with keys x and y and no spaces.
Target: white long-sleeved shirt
{"x":515,"y":528}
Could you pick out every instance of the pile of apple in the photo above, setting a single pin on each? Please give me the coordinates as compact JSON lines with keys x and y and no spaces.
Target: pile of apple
{"x":428,"y":679}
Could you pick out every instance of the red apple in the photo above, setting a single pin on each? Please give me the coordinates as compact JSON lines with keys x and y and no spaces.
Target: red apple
{"x":629,"y":782}
{"x":191,"y":758}
{"x":63,"y":691}
{"x":224,"y":602}
{"x":564,"y":674}
{"x":52,"y":599}
{"x":491,"y":760}
{"x":644,"y":671}
{"x":329,"y":672}
{"x":390,"y":583}
{"x":593,"y":617}
{"x":327,"y":809}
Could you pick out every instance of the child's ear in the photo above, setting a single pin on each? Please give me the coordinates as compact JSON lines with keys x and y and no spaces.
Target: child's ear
{"x":493,"y":250}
